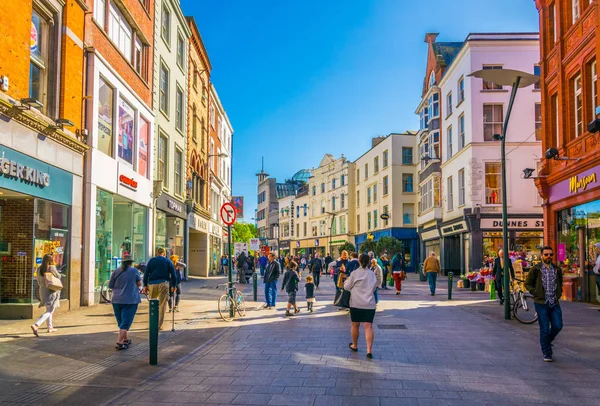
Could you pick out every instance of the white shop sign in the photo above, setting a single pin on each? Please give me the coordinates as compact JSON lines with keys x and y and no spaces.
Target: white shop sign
{"x":513,"y":224}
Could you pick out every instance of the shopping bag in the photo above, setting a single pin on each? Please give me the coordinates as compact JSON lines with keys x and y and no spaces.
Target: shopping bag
{"x":391,"y":281}
{"x":492,"y":290}
{"x":52,"y":282}
{"x":342,"y":298}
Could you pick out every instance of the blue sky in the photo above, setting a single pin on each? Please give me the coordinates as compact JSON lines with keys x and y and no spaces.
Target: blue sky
{"x":301,"y":78}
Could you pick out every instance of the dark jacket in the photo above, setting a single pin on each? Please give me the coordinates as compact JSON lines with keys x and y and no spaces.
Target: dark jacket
{"x":338,"y":265}
{"x":353,"y":265}
{"x":498,"y":272}
{"x":290,"y":281}
{"x":397,"y":263}
{"x":328,"y":260}
{"x":272,"y":272}
{"x":317,"y":265}
{"x":310,"y":290}
{"x":160,"y":269}
{"x":534,"y":283}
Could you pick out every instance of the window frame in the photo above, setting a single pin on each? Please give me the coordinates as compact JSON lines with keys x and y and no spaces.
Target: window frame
{"x":537,"y":113}
{"x":162,"y":159}
{"x":578,"y":104}
{"x":593,"y":87}
{"x":179,"y":110}
{"x":449,"y":137}
{"x":495,"y":120}
{"x":385,"y":158}
{"x":461,"y":90}
{"x":411,"y":150}
{"x":386,"y":185}
{"x":180,"y":56}
{"x":491,"y":86}
{"x":575,"y":11}
{"x":178,"y":172}
{"x":450,"y":193}
{"x":165,"y":29}
{"x":405,"y":183}
{"x":498,"y":176}
{"x":461,"y":188}
{"x":376,"y":165}
{"x":537,"y":71}
{"x":449,"y":104}
{"x":164,"y":93}
{"x":369,"y":196}
{"x":366,"y":171}
{"x":461,"y":132}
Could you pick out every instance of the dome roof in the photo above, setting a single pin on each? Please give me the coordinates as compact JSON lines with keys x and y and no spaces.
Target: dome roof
{"x":302,"y":175}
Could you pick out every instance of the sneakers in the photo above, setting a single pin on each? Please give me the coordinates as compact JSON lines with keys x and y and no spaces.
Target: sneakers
{"x":548,"y":358}
{"x":34,"y":328}
{"x":288,"y":314}
{"x":296,"y":311}
{"x":176,"y":309}
{"x":52,"y":330}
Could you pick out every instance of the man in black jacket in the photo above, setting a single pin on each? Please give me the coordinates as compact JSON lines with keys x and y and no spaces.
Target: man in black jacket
{"x":498,"y":274}
{"x":270,"y":279}
{"x":315,"y":268}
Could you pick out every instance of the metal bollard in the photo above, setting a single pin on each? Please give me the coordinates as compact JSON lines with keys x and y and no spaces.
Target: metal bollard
{"x":255,"y":285}
{"x":450,"y":277}
{"x":153,"y":331}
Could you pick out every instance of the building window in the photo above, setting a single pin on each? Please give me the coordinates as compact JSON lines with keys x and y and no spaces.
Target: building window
{"x":305,"y":227}
{"x":538,"y":121}
{"x":120,"y":32}
{"x":163,"y":97}
{"x":165,"y":31}
{"x":322,"y":187}
{"x":357,"y":176}
{"x":179,"y":109}
{"x":450,"y":195}
{"x":368,"y":196}
{"x":461,"y":187}
{"x":180,"y":51}
{"x":434,"y":106}
{"x":461,"y":90}
{"x":449,"y":136}
{"x":358,"y":223}
{"x":333,"y":184}
{"x":369,"y":221}
{"x":424,"y":118}
{"x":161,"y":170}
{"x":105,"y":117}
{"x":375,"y":193}
{"x":492,"y":120}
{"x":357,"y":198}
{"x":407,"y":183}
{"x":100,"y":12}
{"x":343,"y":224}
{"x":575,"y":10}
{"x":553,"y":26}
{"x":376,"y":165}
{"x":493,"y":183}
{"x":143,"y":145}
{"x":366,"y":171}
{"x":43,"y":39}
{"x":138,"y":56}
{"x":426,"y":201}
{"x":178,"y":172}
{"x":322,"y":206}
{"x":314,"y":209}
{"x":385,"y":186}
{"x":461,"y":132}
{"x":491,"y":85}
{"x":385,"y":158}
{"x":332,"y":203}
{"x":314,"y":190}
{"x":449,"y":104}
{"x":434,"y":144}
{"x":126,"y":138}
{"x":408,"y":213}
{"x":594,"y":88}
{"x":194,"y":122}
{"x":578,"y":105}
{"x":386,"y":211}
{"x":407,"y":156}
{"x":536,"y":71}
{"x":375,"y":220}
{"x":343,"y":180}
{"x":342,"y":201}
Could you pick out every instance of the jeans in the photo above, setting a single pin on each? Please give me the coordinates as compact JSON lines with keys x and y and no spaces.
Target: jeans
{"x":47,"y":316}
{"x":262,"y":270}
{"x":550,"y":321}
{"x":317,"y":277}
{"x":124,"y":313}
{"x":376,"y":295}
{"x":432,"y":279}
{"x":271,"y":293}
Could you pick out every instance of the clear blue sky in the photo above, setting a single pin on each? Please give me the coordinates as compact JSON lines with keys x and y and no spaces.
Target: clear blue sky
{"x":301,"y":78}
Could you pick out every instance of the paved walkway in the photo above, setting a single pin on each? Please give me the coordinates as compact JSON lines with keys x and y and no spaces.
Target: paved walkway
{"x":427,"y":351}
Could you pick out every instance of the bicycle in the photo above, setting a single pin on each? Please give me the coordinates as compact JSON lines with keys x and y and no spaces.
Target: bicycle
{"x":522,"y":304}
{"x":106,"y":292}
{"x":228,"y":307}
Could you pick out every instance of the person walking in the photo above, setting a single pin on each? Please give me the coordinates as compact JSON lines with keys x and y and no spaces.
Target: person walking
{"x":48,"y":297}
{"x":378,"y":275}
{"x":340,"y":267}
{"x":309,"y":289}
{"x":290,"y":285}
{"x":242,"y":266}
{"x":224,"y":264}
{"x":498,"y":274}
{"x":316,"y":268}
{"x":596,"y":268}
{"x":125,"y":283}
{"x":179,"y":266}
{"x":432,"y":268}
{"x":328,"y":260}
{"x":384,"y":263}
{"x":303,"y":262}
{"x":353,"y":264}
{"x":362,"y":284}
{"x":159,"y":280}
{"x":262,"y":262}
{"x":398,"y":271}
{"x":544,"y":282}
{"x":272,"y":272}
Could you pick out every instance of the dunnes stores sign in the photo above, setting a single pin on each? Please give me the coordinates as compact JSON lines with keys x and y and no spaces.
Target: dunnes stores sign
{"x":13,"y":169}
{"x":577,"y":183}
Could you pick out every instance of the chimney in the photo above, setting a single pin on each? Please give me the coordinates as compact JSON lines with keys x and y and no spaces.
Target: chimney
{"x":376,"y":141}
{"x":431,"y":37}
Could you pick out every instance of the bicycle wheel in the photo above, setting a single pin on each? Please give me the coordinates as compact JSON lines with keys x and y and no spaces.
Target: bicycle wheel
{"x":525,"y":310}
{"x":225,"y":305}
{"x":106,"y":292}
{"x":241,"y":305}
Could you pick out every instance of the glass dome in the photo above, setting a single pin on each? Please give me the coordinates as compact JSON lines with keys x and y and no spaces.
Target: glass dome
{"x":302,"y":175}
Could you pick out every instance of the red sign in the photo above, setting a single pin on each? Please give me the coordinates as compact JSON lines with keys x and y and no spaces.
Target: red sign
{"x":132,"y":184}
{"x":228,"y":213}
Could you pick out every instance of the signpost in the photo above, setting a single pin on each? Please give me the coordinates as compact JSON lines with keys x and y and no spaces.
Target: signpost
{"x":228,"y":216}
{"x":254,"y":244}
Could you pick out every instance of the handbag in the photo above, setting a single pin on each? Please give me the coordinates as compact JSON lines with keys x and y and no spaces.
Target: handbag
{"x":342,"y":298}
{"x":402,"y":275}
{"x":391,"y":281}
{"x":52,"y":282}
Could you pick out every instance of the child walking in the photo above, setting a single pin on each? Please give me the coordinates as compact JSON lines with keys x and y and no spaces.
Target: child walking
{"x":310,"y":293}
{"x":290,"y":284}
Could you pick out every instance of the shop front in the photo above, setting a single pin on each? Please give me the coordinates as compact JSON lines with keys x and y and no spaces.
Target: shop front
{"x":573,"y":214}
{"x":430,"y":241}
{"x":215,"y":231}
{"x":310,"y":246}
{"x":409,"y":241}
{"x":198,"y":264}
{"x":171,"y":216}
{"x":455,"y":239}
{"x":36,"y":218}
{"x":284,"y":247}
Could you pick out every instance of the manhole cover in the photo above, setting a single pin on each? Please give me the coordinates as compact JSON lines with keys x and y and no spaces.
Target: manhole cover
{"x":391,"y":326}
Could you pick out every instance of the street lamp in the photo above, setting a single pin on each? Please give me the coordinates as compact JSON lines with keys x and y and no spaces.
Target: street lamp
{"x":330,"y":229}
{"x":515,"y":79}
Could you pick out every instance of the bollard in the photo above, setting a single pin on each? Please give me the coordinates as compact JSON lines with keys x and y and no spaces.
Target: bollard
{"x":450,"y":276}
{"x":255,"y":285}
{"x":153,"y":331}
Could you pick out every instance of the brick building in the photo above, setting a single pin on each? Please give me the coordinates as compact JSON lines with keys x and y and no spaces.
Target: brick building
{"x":569,"y":179}
{"x":41,"y":150}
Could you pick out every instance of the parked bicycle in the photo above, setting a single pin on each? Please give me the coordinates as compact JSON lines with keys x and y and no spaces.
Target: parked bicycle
{"x":228,"y":307}
{"x":522,"y":304}
{"x":106,"y":292}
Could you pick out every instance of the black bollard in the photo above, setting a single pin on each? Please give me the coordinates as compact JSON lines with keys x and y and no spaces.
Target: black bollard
{"x":450,"y":276}
{"x":153,"y":332}
{"x":255,"y":285}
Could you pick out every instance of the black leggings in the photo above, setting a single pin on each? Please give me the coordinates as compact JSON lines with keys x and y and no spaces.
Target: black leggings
{"x":317,"y":277}
{"x":177,"y":296}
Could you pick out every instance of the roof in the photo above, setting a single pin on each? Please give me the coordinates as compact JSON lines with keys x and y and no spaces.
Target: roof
{"x":447,"y":50}
{"x":285,"y":189}
{"x":302,"y":175}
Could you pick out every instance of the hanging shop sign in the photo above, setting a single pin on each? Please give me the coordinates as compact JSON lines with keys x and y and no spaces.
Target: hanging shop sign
{"x":579,"y":183}
{"x":513,"y":224}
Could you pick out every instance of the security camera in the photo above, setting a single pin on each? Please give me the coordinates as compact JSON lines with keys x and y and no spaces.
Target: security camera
{"x":551,"y":153}
{"x":527,"y":172}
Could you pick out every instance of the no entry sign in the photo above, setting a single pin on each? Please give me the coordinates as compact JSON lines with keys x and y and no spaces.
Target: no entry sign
{"x":228,"y":213}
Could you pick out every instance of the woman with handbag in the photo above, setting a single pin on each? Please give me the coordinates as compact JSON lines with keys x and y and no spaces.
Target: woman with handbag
{"x":125,"y":283}
{"x":362,"y":284}
{"x":48,"y":279}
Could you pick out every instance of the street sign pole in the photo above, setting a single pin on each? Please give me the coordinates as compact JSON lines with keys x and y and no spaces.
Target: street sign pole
{"x":230,"y":279}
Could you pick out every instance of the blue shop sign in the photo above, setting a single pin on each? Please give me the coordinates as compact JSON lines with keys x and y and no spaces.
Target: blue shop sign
{"x":29,"y":176}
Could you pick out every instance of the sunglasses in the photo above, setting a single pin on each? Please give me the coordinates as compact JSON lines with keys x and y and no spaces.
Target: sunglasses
{"x":549,"y":255}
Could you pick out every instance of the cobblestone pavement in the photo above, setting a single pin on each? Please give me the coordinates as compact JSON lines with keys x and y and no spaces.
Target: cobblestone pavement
{"x":428,"y":350}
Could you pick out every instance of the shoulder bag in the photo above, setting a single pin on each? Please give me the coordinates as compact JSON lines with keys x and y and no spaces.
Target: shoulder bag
{"x":342,"y":298}
{"x":52,"y":282}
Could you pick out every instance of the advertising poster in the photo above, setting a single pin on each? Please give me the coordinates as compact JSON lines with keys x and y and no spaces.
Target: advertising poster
{"x":143,"y":148}
{"x":105,"y":121}
{"x":125,"y":131}
{"x":238,"y":203}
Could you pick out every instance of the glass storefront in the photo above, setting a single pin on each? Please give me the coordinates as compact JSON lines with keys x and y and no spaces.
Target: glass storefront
{"x":121,"y":229}
{"x":160,"y":235}
{"x":29,"y":229}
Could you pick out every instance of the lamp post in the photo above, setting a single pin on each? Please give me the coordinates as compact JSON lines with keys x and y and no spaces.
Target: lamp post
{"x":515,"y":79}
{"x":330,"y":228}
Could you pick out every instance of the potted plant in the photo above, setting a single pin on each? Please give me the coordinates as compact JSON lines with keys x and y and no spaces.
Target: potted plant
{"x":472,"y":277}
{"x":466,"y":281}
{"x":481,"y":283}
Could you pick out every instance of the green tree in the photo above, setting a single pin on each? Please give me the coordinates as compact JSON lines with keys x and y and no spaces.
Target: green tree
{"x":348,"y":246}
{"x":367,"y":246}
{"x":390,"y":244}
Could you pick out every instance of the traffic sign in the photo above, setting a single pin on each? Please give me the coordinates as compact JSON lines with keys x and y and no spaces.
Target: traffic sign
{"x":228,"y":213}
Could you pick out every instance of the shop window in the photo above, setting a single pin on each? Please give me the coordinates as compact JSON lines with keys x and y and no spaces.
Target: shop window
{"x":492,"y":243}
{"x":143,"y":147}
{"x":126,"y":135}
{"x":493,"y":183}
{"x":105,"y":117}
{"x":492,"y":120}
{"x":491,"y":85}
{"x":160,"y":239}
{"x":104,"y":236}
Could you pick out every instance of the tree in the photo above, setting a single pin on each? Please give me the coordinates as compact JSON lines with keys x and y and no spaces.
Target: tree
{"x":367,"y":246}
{"x":348,"y":246}
{"x":390,"y":244}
